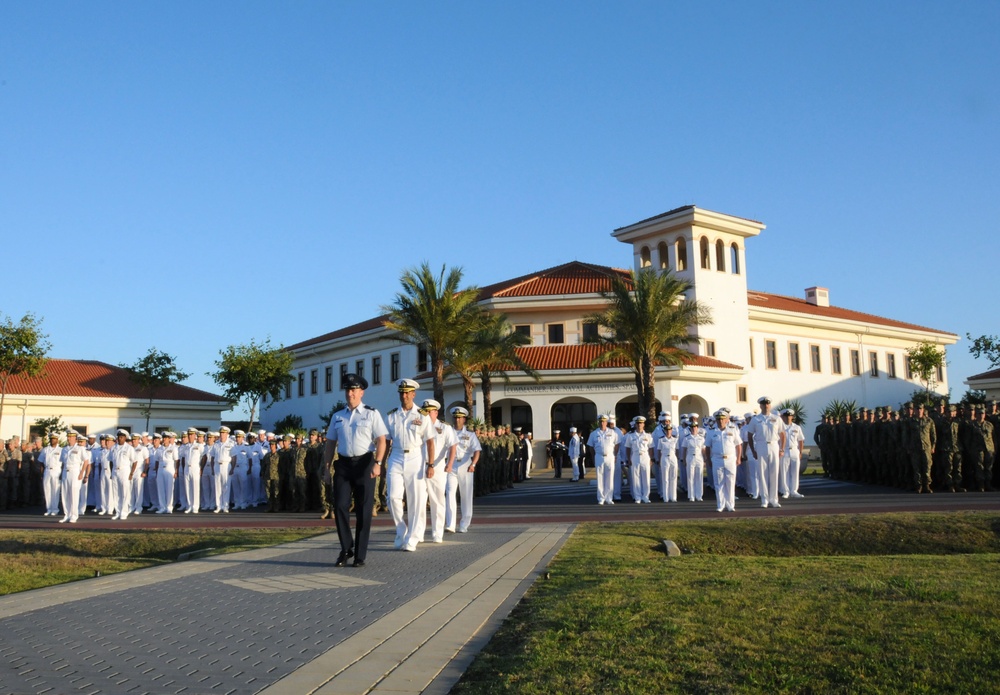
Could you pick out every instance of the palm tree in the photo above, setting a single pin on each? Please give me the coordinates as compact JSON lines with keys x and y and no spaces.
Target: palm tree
{"x":647,"y":319}
{"x":490,"y":350}
{"x":432,"y":312}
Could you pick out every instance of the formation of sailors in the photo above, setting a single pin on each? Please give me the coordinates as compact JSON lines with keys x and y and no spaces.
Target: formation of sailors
{"x":949,"y":447}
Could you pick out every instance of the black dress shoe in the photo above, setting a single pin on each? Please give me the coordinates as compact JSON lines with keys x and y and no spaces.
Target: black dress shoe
{"x":359,"y":563}
{"x":343,"y":558}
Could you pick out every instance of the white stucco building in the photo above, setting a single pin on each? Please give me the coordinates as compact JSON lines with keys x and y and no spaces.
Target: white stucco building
{"x":785,"y":347}
{"x":95,"y":398}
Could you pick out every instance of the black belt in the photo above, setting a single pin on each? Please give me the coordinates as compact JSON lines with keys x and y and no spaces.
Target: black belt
{"x":356,"y":459}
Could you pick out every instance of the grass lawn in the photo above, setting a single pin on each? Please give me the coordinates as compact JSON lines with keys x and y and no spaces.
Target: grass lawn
{"x":894,"y":603}
{"x":33,"y":559}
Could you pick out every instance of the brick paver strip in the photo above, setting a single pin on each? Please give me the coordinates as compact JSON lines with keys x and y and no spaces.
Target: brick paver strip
{"x":406,"y":650}
{"x":206,"y":625}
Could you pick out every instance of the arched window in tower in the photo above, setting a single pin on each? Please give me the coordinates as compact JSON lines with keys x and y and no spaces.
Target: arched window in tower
{"x":661,"y":251}
{"x":706,"y":257}
{"x":682,"y":254}
{"x":720,"y":256}
{"x":734,"y":259}
{"x":644,"y":261}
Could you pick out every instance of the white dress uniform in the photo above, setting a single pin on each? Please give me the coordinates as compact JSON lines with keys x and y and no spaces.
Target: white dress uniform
{"x":90,"y":491}
{"x":752,"y":474}
{"x":73,"y":458}
{"x":408,"y":430}
{"x":108,"y":497}
{"x":724,"y":447}
{"x":125,"y":463}
{"x":152,"y":492}
{"x":766,"y":431}
{"x":191,"y":472}
{"x":602,"y":443}
{"x":241,"y":475}
{"x":694,"y":459}
{"x":619,"y":462}
{"x":165,"y":473}
{"x":207,"y":481}
{"x":791,"y":459}
{"x":528,"y":455}
{"x":221,"y":458}
{"x":574,"y":454}
{"x":139,"y":479}
{"x":666,"y":459}
{"x":51,"y":458}
{"x":461,"y":480}
{"x":638,"y":444}
{"x":444,"y":443}
{"x":88,"y":469}
{"x":257,"y":452}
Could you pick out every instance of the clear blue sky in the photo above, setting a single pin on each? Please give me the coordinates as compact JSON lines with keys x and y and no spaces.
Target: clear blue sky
{"x":189,"y":175}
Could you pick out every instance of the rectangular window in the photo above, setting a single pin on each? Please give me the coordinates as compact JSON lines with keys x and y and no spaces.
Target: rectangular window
{"x":422,"y":359}
{"x":814,"y":359}
{"x":793,"y":356}
{"x":751,"y":354}
{"x":909,"y":367}
{"x":890,"y":365}
{"x":524,"y":329}
{"x":376,"y":370}
{"x":940,"y":373}
{"x":710,"y":348}
{"x":302,"y":384}
{"x":288,"y":388}
{"x":873,"y":364}
{"x":313,"y":382}
{"x":741,"y":394}
{"x":394,"y":367}
{"x":343,"y":373}
{"x":81,"y":429}
{"x":359,"y":367}
{"x":771,"y":352}
{"x":328,"y":379}
{"x":556,"y":334}
{"x":835,"y":360}
{"x":590,"y":333}
{"x":855,"y":363}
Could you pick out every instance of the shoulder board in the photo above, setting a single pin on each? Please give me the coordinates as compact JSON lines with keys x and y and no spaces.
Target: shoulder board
{"x":391,"y":411}
{"x":368,"y":407}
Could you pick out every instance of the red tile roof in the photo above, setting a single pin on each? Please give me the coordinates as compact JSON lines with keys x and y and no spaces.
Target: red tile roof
{"x":548,"y":357}
{"x":574,"y":277}
{"x":801,"y":306}
{"x":367,"y":325}
{"x":992,"y":374}
{"x":668,"y":213}
{"x":92,"y":379}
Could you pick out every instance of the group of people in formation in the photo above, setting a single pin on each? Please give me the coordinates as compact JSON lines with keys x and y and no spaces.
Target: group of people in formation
{"x":128,"y":473}
{"x":759,"y":452}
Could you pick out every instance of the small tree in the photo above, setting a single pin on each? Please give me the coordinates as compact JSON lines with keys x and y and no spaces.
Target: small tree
{"x":326,"y":417}
{"x":23,"y":350}
{"x":925,"y":360}
{"x":987,"y":346}
{"x":290,"y":424}
{"x":838,"y":408}
{"x":800,"y":412}
{"x":249,"y":372}
{"x":151,"y":373}
{"x":49,"y":425}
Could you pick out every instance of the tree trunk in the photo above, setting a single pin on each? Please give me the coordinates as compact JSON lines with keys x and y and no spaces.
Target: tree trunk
{"x":487,"y":383}
{"x":469,"y":386}
{"x":439,"y":380}
{"x":253,"y":410}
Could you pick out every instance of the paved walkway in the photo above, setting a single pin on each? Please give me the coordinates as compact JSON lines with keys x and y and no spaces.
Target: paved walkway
{"x":277,"y":620}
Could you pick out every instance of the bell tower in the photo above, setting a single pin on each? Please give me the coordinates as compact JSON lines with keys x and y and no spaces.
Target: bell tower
{"x":707,"y":249}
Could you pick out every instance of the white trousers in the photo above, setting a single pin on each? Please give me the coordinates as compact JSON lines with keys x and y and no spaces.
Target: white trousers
{"x":151,"y":491}
{"x":725,"y":483}
{"x":695,"y":479}
{"x":123,"y":493}
{"x":668,"y":478}
{"x":71,"y":494}
{"x":84,"y":493}
{"x":617,"y":481}
{"x":790,"y":465}
{"x":406,"y":477}
{"x":165,"y":490}
{"x":460,"y":480}
{"x":109,"y":493}
{"x":605,"y":481}
{"x":52,"y":488}
{"x":221,"y":487}
{"x":767,"y":474}
{"x":138,"y":486}
{"x":256,"y":485}
{"x":207,"y":488}
{"x":192,"y":488}
{"x":435,"y":497}
{"x":240,"y":485}
{"x":640,"y":481}
{"x":753,"y":473}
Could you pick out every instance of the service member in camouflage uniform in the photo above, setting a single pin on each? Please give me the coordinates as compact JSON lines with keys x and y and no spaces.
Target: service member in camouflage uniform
{"x":982,"y":449}
{"x":269,"y":466}
{"x":920,"y":439}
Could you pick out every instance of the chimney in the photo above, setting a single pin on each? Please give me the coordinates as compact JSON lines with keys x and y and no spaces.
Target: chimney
{"x":818,"y":296}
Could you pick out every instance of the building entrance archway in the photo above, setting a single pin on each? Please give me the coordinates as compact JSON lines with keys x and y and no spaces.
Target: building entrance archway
{"x":692,"y":403}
